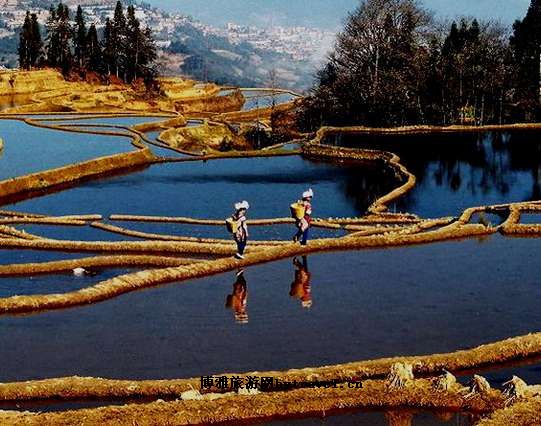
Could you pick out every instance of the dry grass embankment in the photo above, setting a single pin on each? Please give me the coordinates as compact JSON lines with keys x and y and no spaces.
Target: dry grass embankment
{"x":208,"y":136}
{"x":47,"y":91}
{"x":523,"y":413}
{"x":232,"y":407}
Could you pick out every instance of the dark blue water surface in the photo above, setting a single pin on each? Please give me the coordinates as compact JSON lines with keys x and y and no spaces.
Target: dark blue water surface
{"x":8,"y":257}
{"x":457,"y":171}
{"x":364,"y":305}
{"x":52,"y":284}
{"x":464,"y":171}
{"x":209,"y":189}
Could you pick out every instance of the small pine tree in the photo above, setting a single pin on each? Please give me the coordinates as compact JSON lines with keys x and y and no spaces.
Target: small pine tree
{"x":95,"y":55}
{"x":53,"y":42}
{"x":80,"y":40}
{"x":134,"y":45}
{"x":25,"y":42}
{"x":36,"y":46}
{"x":108,"y":49}
{"x":118,"y":39}
{"x":65,"y":36}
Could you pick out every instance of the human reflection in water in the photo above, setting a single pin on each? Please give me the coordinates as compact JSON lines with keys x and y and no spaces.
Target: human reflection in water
{"x":300,"y":288}
{"x":238,"y":300}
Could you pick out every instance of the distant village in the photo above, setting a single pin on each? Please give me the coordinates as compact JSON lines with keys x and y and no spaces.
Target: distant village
{"x":301,"y":43}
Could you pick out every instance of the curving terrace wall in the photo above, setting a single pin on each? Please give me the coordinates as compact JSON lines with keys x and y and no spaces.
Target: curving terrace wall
{"x":316,"y":149}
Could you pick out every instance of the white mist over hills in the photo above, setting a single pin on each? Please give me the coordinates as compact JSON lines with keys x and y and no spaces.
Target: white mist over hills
{"x":328,"y":14}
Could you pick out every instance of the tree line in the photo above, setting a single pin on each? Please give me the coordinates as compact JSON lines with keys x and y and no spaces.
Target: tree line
{"x":393,"y":65}
{"x":125,"y":50}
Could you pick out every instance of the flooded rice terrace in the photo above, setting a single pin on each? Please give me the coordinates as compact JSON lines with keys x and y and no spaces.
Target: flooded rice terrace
{"x":356,"y":305}
{"x":455,"y":171}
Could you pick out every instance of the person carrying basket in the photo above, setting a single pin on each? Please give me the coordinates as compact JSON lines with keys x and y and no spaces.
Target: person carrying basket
{"x":236,"y":224}
{"x":302,"y":213}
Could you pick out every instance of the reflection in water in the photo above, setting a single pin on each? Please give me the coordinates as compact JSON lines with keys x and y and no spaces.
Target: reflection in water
{"x":300,"y":287}
{"x":459,"y":170}
{"x":395,"y":417}
{"x":412,"y":417}
{"x":399,"y":418}
{"x":238,"y":300}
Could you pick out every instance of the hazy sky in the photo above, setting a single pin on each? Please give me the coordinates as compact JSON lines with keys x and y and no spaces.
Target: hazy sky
{"x":326,"y":13}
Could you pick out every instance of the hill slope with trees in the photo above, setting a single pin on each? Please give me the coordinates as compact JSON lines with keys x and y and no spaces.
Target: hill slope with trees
{"x":393,"y":65}
{"x":126,"y":50}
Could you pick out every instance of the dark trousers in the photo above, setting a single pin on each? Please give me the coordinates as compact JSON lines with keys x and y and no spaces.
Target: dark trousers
{"x":241,"y":246}
{"x":302,"y":236}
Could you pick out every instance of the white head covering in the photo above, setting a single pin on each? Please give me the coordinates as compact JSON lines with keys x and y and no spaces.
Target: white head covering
{"x":308,"y":193}
{"x":242,"y":205}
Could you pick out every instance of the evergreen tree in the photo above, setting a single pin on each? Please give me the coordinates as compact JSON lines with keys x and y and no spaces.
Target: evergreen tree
{"x":391,"y":68}
{"x":526,"y":50}
{"x":53,"y":41}
{"x":80,"y":41}
{"x":36,"y":49}
{"x":148,"y":56}
{"x":95,"y":56}
{"x":140,"y":54}
{"x":108,"y":49}
{"x":65,"y":36}
{"x":25,"y":44}
{"x":134,"y":45}
{"x":118,"y":40}
{"x":125,"y":50}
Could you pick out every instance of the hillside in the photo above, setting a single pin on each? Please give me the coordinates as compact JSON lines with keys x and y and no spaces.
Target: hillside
{"x":186,"y":46}
{"x":212,"y":58}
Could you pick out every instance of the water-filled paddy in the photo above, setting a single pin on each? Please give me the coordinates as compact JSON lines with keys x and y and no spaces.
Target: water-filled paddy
{"x":74,"y":233}
{"x":457,"y":171}
{"x":8,"y":257}
{"x":29,"y":149}
{"x":209,"y":189}
{"x":364,"y":305}
{"x":112,"y":121}
{"x":502,"y":168}
{"x":256,"y":99}
{"x":267,"y":232}
{"x":56,"y":283}
{"x":357,"y":305}
{"x":264,"y":99}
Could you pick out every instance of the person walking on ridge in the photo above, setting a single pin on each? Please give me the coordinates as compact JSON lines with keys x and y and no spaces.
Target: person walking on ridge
{"x":240,"y":228}
{"x":303,"y":224}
